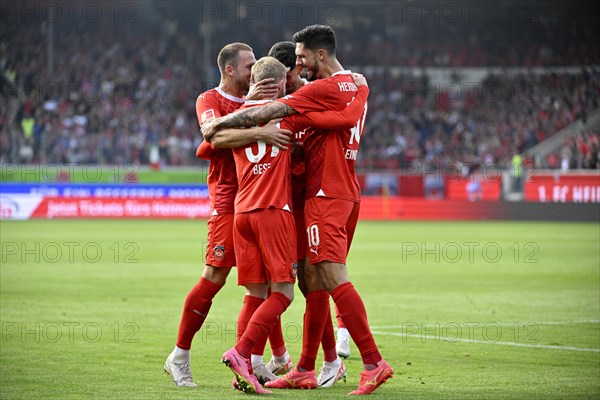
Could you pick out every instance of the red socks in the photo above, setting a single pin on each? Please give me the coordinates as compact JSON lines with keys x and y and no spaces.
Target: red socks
{"x":276,"y":339}
{"x":328,"y":339}
{"x":251,"y":303}
{"x":352,"y":310}
{"x":315,"y":315}
{"x":262,"y":322}
{"x":278,"y":349}
{"x":338,"y":317}
{"x":195,"y":309}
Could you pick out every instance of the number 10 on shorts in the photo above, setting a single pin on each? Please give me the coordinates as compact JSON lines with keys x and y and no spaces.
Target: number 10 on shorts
{"x":313,"y":235}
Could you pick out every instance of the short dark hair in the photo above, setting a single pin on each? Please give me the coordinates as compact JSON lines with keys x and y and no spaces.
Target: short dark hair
{"x":285,"y":52}
{"x":315,"y":37}
{"x":229,"y":54}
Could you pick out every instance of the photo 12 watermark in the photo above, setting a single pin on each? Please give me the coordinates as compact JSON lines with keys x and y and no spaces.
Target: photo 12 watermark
{"x":71,"y":252}
{"x":288,"y":12}
{"x":464,"y":332}
{"x":69,"y":332}
{"x":470,"y":252}
{"x":471,"y":11}
{"x":225,"y":332}
{"x":67,"y":12}
{"x":65,"y":173}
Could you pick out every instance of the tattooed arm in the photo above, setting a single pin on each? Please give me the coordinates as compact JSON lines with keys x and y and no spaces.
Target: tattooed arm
{"x":252,"y":116}
{"x":270,"y":134}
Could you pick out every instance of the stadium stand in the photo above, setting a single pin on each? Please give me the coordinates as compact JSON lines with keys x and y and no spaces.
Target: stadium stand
{"x":117,"y":89}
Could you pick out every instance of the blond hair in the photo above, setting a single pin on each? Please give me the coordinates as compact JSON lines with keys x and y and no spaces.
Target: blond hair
{"x":269,"y":67}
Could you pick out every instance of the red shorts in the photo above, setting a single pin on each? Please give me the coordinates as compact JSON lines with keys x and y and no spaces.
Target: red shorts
{"x":219,"y":249}
{"x":265,"y":249}
{"x":301,"y":242}
{"x":330,"y":227}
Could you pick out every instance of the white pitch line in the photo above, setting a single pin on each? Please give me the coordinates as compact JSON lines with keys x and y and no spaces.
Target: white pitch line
{"x":475,"y":324}
{"x":535,"y":346}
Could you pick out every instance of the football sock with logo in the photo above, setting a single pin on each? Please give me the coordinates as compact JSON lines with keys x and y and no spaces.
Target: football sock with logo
{"x":354,"y":314}
{"x":195,"y":309}
{"x":262,"y":322}
{"x":251,"y":304}
{"x":315,"y":315}
{"x":328,"y":340}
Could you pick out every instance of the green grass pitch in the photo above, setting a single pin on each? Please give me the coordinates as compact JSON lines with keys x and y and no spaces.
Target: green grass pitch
{"x":483,"y":310}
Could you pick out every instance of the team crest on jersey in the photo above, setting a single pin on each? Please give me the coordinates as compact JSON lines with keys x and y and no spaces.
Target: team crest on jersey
{"x":219,"y":252}
{"x":208,"y":115}
{"x":294,"y":270}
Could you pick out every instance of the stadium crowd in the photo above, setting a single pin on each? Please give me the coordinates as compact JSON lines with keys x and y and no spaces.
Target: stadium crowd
{"x":487,"y":125}
{"x":116,"y":90}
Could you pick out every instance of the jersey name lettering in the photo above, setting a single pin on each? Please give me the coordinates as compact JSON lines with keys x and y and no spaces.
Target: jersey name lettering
{"x":347,"y":87}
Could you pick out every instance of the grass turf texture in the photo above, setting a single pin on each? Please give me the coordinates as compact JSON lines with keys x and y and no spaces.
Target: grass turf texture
{"x":97,"y":322}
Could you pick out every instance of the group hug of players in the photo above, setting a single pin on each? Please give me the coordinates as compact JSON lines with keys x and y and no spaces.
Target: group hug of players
{"x":266,"y":181}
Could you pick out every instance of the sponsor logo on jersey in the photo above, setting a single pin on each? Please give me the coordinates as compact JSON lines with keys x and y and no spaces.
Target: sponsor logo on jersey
{"x":208,"y":115}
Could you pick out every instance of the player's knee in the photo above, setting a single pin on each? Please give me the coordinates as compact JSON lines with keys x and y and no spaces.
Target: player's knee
{"x":287,"y":289}
{"x":257,"y":290}
{"x":312,"y":280}
{"x":332,"y":275}
{"x":290,"y":295}
{"x":216,"y":275}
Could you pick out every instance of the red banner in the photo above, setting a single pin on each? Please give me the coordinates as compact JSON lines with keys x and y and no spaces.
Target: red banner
{"x":104,"y":207}
{"x":563,"y":188}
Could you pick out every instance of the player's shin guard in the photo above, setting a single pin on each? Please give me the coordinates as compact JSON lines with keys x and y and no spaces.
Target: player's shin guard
{"x":262,"y":322}
{"x":317,"y":304}
{"x":196,"y":307}
{"x":354,"y":314}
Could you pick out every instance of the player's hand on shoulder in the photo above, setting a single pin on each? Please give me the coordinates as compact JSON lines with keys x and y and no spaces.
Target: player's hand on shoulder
{"x":360,"y":80}
{"x":272,"y":134}
{"x":265,"y":89}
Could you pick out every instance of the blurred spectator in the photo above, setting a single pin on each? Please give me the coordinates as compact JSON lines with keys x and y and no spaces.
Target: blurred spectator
{"x":120,"y":89}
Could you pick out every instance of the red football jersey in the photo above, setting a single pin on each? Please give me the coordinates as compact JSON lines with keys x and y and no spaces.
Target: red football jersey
{"x":222,"y":181}
{"x":264,"y":170}
{"x":298,"y":168}
{"x":330,"y":155}
{"x":263,"y":173}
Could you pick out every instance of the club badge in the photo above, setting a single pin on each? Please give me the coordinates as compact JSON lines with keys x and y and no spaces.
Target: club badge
{"x":219,"y":252}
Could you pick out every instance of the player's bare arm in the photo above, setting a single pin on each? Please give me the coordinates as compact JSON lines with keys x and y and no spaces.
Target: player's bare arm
{"x":250,"y":117}
{"x":269,"y":134}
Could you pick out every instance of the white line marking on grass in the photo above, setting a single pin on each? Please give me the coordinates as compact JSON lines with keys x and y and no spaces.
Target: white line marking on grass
{"x":535,"y":346}
{"x":587,"y":321}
